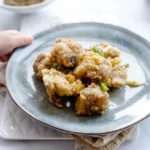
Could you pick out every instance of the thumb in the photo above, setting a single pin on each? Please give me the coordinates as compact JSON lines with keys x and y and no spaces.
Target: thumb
{"x":21,"y":40}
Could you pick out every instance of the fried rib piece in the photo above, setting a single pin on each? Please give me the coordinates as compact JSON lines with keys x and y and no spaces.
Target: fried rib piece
{"x":43,"y":61}
{"x":119,"y":76}
{"x":56,"y":83}
{"x":109,"y":50}
{"x":91,"y":101}
{"x":65,"y":52}
{"x":93,"y":66}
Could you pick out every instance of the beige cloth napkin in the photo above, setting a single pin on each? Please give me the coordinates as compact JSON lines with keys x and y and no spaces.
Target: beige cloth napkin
{"x":105,"y":142}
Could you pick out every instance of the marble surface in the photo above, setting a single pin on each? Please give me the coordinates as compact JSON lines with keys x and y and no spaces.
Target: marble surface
{"x":133,"y":15}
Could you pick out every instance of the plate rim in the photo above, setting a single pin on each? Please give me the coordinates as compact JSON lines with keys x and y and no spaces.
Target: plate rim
{"x":53,"y":29}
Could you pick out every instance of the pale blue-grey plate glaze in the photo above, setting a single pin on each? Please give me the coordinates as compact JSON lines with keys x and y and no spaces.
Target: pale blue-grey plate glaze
{"x":127,"y":107}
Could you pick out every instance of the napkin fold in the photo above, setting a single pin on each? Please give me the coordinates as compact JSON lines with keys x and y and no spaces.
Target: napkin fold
{"x":105,"y":142}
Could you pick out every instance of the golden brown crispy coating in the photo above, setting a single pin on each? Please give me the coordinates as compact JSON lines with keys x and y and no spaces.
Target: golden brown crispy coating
{"x":65,"y":52}
{"x":119,"y":76}
{"x":87,"y":75}
{"x":56,"y":83}
{"x":93,"y":66}
{"x":109,"y":50}
{"x":91,"y":101}
{"x":43,"y":61}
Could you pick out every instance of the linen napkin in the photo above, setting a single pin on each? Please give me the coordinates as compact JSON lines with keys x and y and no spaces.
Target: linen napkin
{"x":35,"y":23}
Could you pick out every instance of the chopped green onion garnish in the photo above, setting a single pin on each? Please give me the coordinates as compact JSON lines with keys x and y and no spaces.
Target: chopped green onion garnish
{"x":56,"y":66}
{"x":133,"y":84}
{"x":126,"y":65}
{"x":104,"y":87}
{"x":97,"y":50}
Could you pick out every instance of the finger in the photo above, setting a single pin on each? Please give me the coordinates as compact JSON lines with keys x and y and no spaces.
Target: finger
{"x":21,"y":40}
{"x":5,"y":52}
{"x":4,"y":58}
{"x":16,"y":42}
{"x":13,"y":32}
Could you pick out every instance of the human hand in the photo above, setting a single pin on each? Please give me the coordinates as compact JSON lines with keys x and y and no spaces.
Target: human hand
{"x":11,"y":39}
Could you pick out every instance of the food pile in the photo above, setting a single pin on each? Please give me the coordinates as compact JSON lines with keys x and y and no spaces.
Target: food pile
{"x":81,"y":78}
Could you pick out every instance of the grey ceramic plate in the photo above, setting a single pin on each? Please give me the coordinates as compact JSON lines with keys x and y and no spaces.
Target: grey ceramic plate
{"x":127,"y":107}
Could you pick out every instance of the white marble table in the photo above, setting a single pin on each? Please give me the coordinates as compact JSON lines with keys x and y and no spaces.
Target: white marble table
{"x":133,"y":14}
